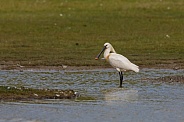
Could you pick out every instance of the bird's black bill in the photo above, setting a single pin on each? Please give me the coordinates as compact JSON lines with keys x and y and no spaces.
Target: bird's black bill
{"x":97,"y":57}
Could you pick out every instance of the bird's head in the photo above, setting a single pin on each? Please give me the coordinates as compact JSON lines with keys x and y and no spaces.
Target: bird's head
{"x":106,"y":46}
{"x":109,"y":47}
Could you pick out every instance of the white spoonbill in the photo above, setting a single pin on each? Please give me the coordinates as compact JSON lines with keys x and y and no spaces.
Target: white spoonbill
{"x":117,"y":61}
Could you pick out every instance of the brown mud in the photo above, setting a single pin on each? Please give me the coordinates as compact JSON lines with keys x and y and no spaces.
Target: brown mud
{"x":171,"y":79}
{"x":17,"y":66}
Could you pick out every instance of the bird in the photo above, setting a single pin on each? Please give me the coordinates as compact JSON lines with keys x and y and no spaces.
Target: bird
{"x":64,"y":66}
{"x":118,"y":61}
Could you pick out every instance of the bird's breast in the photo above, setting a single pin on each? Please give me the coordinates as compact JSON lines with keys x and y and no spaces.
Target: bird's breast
{"x":107,"y":57}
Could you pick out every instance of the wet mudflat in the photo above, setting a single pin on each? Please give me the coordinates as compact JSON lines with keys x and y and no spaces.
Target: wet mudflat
{"x":151,"y":95}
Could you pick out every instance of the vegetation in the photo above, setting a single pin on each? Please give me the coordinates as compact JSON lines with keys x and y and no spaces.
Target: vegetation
{"x":72,"y":32}
{"x":8,"y":93}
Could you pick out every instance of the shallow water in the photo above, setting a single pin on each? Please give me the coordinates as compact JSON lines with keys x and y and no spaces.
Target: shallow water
{"x":140,"y":100}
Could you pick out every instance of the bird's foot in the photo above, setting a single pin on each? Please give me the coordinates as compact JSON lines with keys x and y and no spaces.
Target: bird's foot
{"x":120,"y":86}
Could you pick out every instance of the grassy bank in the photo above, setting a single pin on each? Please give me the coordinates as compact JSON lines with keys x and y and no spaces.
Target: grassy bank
{"x":42,"y":32}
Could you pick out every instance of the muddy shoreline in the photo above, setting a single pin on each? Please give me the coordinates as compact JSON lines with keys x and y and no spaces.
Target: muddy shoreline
{"x":8,"y":93}
{"x":171,"y":79}
{"x":17,"y":66}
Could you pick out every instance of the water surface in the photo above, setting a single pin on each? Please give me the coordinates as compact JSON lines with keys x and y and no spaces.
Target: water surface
{"x":140,"y":100}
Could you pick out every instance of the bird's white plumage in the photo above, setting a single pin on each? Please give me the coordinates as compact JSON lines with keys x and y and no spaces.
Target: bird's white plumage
{"x":121,"y":63}
{"x":118,"y":61}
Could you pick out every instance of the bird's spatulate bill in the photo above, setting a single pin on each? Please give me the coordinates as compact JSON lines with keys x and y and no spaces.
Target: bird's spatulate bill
{"x":97,"y":57}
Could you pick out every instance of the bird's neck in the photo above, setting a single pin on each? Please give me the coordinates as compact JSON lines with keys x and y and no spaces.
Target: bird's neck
{"x":107,"y":53}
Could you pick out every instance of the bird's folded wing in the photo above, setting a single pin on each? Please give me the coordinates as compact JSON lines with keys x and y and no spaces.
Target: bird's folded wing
{"x":119,"y":61}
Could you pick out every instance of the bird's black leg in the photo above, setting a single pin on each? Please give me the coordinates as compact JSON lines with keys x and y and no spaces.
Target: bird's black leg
{"x":121,"y":79}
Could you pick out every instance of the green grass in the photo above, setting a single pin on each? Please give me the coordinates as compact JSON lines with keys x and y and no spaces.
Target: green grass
{"x":72,"y":32}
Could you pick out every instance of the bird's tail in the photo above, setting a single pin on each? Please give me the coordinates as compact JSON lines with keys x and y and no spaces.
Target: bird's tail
{"x":135,"y":68}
